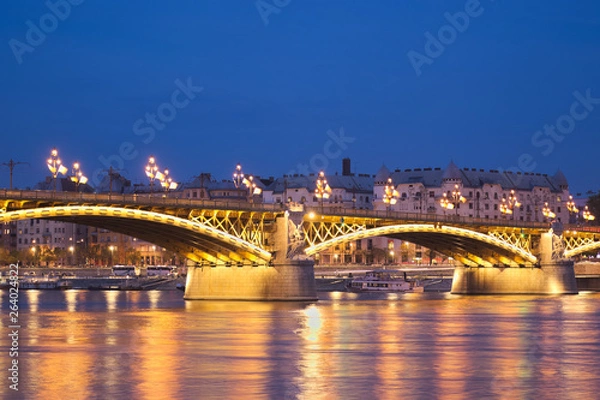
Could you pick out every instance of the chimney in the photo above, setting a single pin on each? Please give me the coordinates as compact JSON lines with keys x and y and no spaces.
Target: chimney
{"x":346,"y":167}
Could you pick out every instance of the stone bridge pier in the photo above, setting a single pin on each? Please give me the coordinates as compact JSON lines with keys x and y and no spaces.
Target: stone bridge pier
{"x":554,"y":274}
{"x":288,"y":276}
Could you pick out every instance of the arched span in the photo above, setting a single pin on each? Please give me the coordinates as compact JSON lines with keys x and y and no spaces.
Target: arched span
{"x":167,"y":231}
{"x":582,"y":249}
{"x":412,"y":230}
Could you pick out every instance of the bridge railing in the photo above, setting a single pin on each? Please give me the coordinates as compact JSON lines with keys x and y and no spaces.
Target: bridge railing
{"x":582,"y":228}
{"x":425,"y":217}
{"x":149,"y":199}
{"x":160,"y":199}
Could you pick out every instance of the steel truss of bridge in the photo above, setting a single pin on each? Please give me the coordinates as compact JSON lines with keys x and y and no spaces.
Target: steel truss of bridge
{"x":240,"y":233}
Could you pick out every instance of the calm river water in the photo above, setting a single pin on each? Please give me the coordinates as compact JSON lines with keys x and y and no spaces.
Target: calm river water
{"x":154,"y":345}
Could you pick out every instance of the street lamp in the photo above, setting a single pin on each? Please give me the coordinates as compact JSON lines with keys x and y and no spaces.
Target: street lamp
{"x":390,"y":194}
{"x":453,"y":201}
{"x":33,"y":251}
{"x":78,"y":177}
{"x":573,"y":210}
{"x":152,"y":171}
{"x":587,"y":215}
{"x":322,"y":190}
{"x":240,"y":179}
{"x":55,"y":166}
{"x":167,"y":182}
{"x":547,"y":212}
{"x":507,"y":206}
{"x":111,"y":249}
{"x":72,"y":251}
{"x":445,"y":203}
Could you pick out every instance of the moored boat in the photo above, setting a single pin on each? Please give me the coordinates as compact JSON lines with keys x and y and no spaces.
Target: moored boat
{"x":44,"y":284}
{"x":384,"y":281}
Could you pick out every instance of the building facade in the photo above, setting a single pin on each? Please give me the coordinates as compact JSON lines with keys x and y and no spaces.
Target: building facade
{"x":476,"y":193}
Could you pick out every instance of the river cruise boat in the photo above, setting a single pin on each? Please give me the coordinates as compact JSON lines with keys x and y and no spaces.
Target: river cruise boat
{"x":44,"y":284}
{"x":383,"y":281}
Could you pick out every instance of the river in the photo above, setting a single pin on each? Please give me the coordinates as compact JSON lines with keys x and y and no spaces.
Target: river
{"x":80,"y":344}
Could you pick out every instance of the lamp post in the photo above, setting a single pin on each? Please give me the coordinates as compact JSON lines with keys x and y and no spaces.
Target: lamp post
{"x":547,"y":212}
{"x":322,"y":189}
{"x":573,"y":210}
{"x":507,"y":206}
{"x":445,"y":203}
{"x":587,"y":215}
{"x":453,"y":201}
{"x":55,"y":166}
{"x":72,"y":251}
{"x":390,"y":194}
{"x":78,"y":177}
{"x":457,"y":198}
{"x":152,"y":171}
{"x":167,"y":182}
{"x":239,"y":180}
{"x":111,"y":249}
{"x":33,"y":251}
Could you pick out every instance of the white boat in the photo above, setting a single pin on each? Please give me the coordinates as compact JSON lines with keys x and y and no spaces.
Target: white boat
{"x":383,"y":281}
{"x":44,"y":284}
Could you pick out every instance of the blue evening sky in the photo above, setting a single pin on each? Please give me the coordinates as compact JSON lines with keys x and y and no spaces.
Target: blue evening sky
{"x":274,"y":85}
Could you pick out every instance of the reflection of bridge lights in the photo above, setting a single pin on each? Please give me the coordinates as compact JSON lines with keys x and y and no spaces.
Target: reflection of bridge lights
{"x":313,"y":324}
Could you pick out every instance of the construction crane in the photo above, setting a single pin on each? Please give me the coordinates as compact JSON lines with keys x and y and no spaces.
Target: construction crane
{"x":11,"y":165}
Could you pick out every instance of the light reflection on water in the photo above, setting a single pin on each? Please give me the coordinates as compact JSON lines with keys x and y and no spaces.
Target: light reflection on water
{"x":153,"y":344}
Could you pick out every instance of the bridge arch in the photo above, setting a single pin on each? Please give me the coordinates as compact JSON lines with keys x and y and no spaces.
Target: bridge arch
{"x":191,"y":239}
{"x":582,"y":249}
{"x":470,"y":247}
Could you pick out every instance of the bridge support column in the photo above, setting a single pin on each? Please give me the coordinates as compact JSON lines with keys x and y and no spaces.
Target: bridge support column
{"x":552,"y":277}
{"x":294,"y":280}
{"x":284,"y":278}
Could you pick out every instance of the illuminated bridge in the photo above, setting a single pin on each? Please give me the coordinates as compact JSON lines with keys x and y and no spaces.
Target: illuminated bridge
{"x":264,"y":251}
